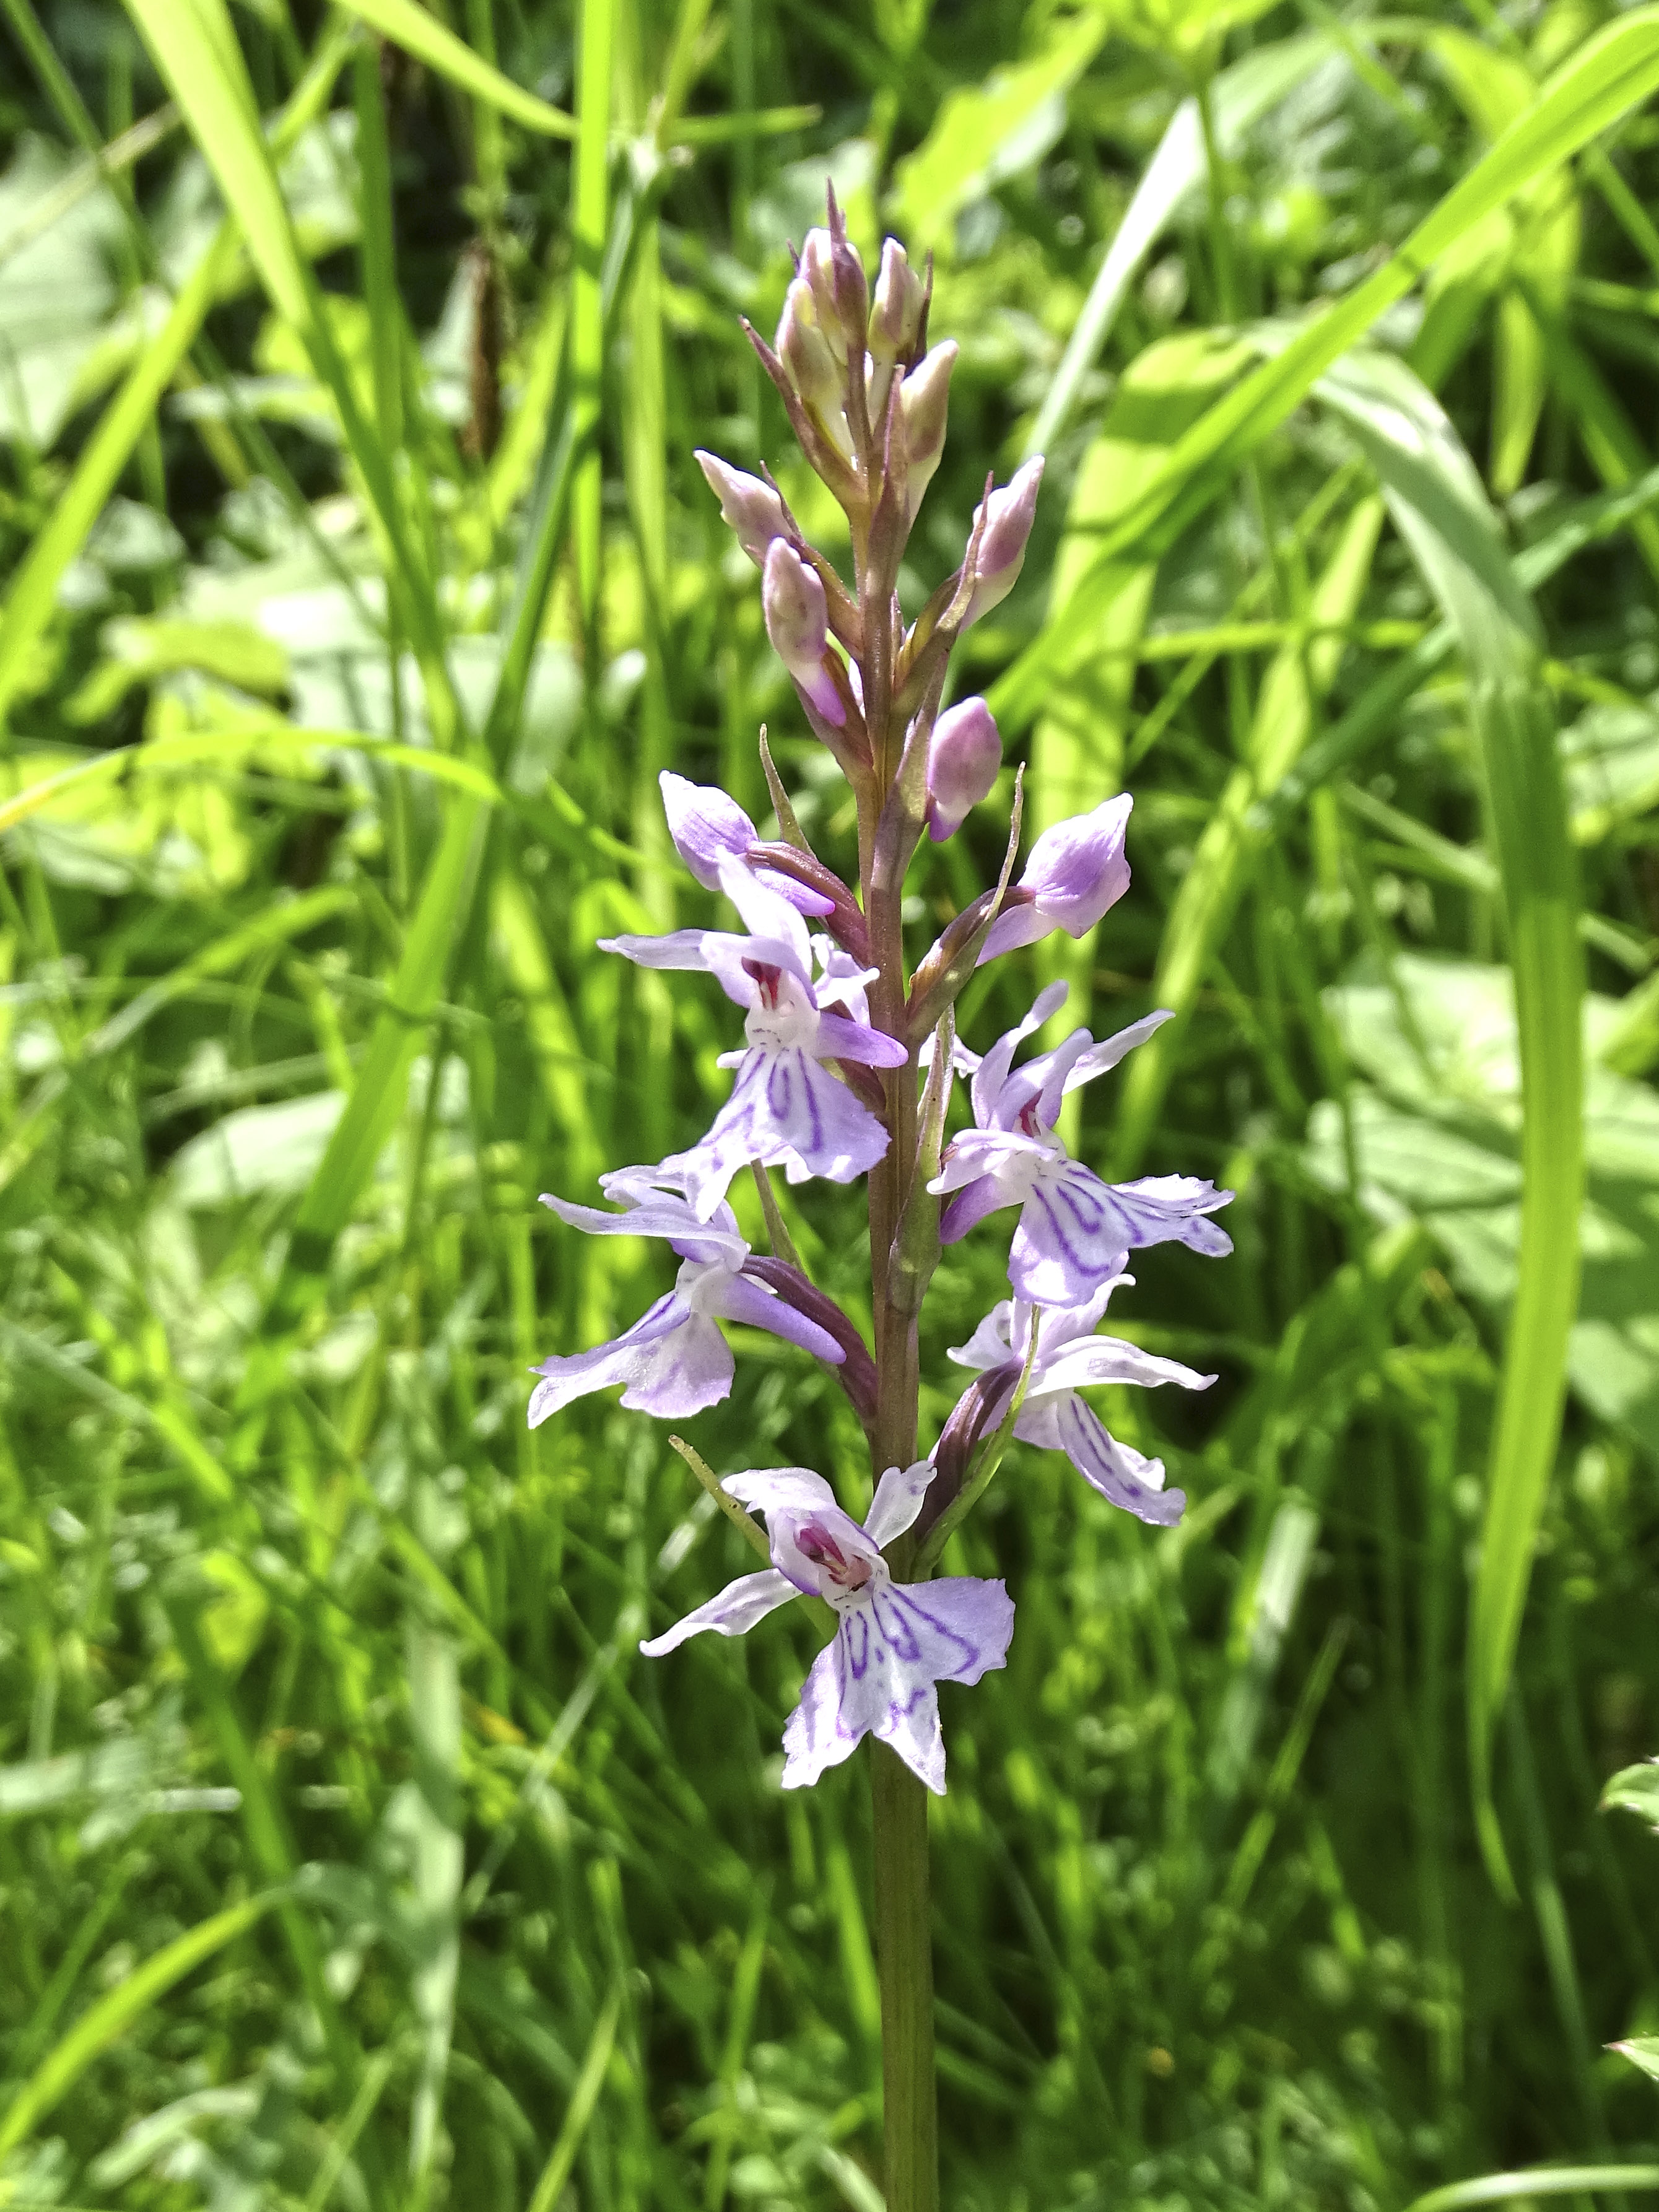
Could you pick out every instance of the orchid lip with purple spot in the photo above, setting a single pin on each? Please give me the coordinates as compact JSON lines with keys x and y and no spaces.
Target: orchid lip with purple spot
{"x":893,"y":1642}
{"x":1074,"y":1231}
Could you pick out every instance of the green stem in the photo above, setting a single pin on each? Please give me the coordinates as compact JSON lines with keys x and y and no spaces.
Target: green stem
{"x":904,"y":1962}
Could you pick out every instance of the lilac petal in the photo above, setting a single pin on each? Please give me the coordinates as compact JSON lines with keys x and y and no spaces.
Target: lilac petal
{"x":1043,"y":1082}
{"x":708,"y":826}
{"x":1115,"y":1470}
{"x":1076,"y":869}
{"x":1009,"y":1155}
{"x":733,"y":1613}
{"x":841,"y":1039}
{"x":676,"y":948}
{"x":897,"y":1501}
{"x":1017,"y":924}
{"x":903,"y":1639}
{"x":815,"y":1737}
{"x":732,"y":960}
{"x":1107,"y":1359}
{"x":1163,"y":1209}
{"x":710,"y":831}
{"x":767,"y":913}
{"x":784,"y":1108}
{"x":843,"y":982}
{"x":744,"y":1300}
{"x":1068,"y":1241}
{"x":992,"y":1071}
{"x":673,"y":1361}
{"x":776,"y":1489}
{"x":971,"y":1205}
{"x":991,"y":1343}
{"x":1100,"y":1058}
{"x":815,"y":1117}
{"x":659,"y":1215}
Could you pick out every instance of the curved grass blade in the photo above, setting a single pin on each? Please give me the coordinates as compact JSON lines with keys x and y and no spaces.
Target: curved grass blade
{"x":110,"y":2017}
{"x":430,"y":41}
{"x":34,"y":589}
{"x":1539,"y":2181}
{"x":1611,"y":73}
{"x":212,"y":88}
{"x":1240,"y":97}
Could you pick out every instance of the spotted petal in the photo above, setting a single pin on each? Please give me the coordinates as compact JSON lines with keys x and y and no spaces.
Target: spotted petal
{"x":1115,"y":1470}
{"x":673,"y":1360}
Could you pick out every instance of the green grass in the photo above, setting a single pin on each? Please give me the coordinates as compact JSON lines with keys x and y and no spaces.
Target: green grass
{"x":357,"y":583}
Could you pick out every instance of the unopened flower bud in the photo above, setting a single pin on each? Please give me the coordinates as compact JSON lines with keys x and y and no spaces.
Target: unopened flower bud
{"x":896,"y":317}
{"x":1072,"y":873}
{"x":1008,"y":518}
{"x":924,"y":398}
{"x":805,"y":353}
{"x":797,"y":622}
{"x":834,"y":275}
{"x":751,"y":509}
{"x":964,"y":757}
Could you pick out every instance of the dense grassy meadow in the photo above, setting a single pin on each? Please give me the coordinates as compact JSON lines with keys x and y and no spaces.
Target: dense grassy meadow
{"x":358,"y":583}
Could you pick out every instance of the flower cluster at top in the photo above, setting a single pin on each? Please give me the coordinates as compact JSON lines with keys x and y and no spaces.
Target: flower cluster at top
{"x":849,"y":1062}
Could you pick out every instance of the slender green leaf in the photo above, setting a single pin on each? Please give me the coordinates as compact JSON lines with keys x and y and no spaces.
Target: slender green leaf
{"x":422,"y":34}
{"x":1612,"y":72}
{"x":114,"y":2015}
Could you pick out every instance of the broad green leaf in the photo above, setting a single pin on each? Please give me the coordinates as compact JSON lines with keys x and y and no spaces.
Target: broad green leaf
{"x":984,"y":133}
{"x":1642,"y":2051}
{"x":211,"y":87}
{"x":1613,"y":71}
{"x":1635,"y":1789}
{"x":1240,"y":96}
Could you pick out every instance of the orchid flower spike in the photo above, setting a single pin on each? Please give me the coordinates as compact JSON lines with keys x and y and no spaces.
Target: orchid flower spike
{"x":785,"y":1109}
{"x":1069,"y":1357}
{"x":1072,"y":873}
{"x":1074,"y":1231}
{"x":893,"y":1641}
{"x":673,"y":1361}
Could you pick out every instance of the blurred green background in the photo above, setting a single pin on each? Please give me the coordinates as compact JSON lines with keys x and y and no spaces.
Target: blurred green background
{"x":358,"y":585}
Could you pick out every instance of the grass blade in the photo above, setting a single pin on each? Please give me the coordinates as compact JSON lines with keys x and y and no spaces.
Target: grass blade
{"x":431,"y":42}
{"x":112,"y":2016}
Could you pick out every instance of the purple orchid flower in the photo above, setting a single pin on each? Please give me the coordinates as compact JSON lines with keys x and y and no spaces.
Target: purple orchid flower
{"x":1074,"y":1230}
{"x":893,"y":1641}
{"x":785,"y":1109}
{"x":1072,"y":874}
{"x":1069,"y":1357}
{"x":711,"y":832}
{"x":673,"y":1360}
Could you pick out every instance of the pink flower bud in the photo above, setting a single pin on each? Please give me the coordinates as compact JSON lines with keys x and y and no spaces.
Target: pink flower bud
{"x":797,"y":622}
{"x":835,"y":275}
{"x":895,"y":319}
{"x":1008,"y":519}
{"x":751,"y":509}
{"x":924,"y":398}
{"x":963,"y":757}
{"x":819,"y":381}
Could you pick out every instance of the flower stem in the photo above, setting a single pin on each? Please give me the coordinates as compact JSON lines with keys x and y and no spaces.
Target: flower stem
{"x":904,"y":1961}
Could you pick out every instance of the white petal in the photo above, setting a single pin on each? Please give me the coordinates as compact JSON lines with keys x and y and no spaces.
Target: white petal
{"x":733,"y":1613}
{"x":769,"y":1488}
{"x":897,"y":1501}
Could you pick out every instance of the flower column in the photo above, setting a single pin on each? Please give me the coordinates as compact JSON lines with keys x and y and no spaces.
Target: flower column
{"x":829,"y":1084}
